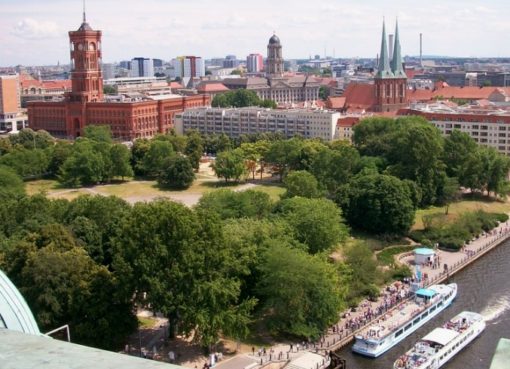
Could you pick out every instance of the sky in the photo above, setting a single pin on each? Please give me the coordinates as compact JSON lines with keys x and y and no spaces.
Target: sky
{"x":34,"y":32}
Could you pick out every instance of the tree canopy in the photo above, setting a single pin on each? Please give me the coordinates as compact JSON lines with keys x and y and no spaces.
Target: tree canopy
{"x":241,"y":98}
{"x":379,"y":203}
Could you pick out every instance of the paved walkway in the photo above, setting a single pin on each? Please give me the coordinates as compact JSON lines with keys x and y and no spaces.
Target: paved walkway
{"x":351,"y":321}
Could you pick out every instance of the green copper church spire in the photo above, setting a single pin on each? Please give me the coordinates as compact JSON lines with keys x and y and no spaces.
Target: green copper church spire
{"x":396,"y":62}
{"x":383,"y":70}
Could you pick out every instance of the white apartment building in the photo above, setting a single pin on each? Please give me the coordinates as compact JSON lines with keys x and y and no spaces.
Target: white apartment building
{"x":239,"y":121}
{"x":142,"y":67}
{"x":488,"y":126}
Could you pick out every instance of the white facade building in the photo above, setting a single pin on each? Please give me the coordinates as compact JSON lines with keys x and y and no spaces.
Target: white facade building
{"x":238,"y":121}
{"x":108,"y":70}
{"x":189,"y":66}
{"x":488,"y":126}
{"x":254,"y":63}
{"x":142,"y":67}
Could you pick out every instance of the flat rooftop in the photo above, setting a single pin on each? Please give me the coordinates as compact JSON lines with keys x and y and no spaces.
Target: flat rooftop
{"x":22,"y":351}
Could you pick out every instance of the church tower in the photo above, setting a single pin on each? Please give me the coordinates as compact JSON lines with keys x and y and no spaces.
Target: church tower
{"x":390,"y":81}
{"x":86,"y":76}
{"x":274,"y":67}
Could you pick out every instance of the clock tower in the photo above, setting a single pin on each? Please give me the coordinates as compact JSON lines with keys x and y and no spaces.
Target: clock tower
{"x":86,"y":76}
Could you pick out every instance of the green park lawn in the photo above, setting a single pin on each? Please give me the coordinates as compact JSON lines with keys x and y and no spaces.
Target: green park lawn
{"x":140,"y":189}
{"x":457,"y":208}
{"x":274,"y":191}
{"x":41,"y":186}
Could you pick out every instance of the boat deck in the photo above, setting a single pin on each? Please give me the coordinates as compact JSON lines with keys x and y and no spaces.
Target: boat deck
{"x":392,"y":320}
{"x":429,"y":345}
{"x":403,"y":313}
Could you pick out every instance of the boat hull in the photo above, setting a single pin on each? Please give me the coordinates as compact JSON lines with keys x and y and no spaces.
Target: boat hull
{"x":373,"y":348}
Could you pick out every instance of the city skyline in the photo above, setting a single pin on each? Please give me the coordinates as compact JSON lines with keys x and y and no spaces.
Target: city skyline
{"x":35,"y":33}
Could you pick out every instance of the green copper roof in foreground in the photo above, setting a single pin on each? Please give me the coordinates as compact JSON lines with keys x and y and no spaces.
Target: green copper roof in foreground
{"x":383,"y":70}
{"x":21,"y":351}
{"x":396,"y":62}
{"x":502,"y":355}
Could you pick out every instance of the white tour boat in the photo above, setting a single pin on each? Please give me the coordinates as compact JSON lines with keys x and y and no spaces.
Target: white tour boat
{"x":440,"y":345}
{"x":403,"y":320}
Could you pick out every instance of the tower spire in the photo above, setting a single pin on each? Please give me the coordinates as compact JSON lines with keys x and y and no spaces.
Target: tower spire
{"x":384,"y":71}
{"x":396,"y":63}
{"x":84,"y":13}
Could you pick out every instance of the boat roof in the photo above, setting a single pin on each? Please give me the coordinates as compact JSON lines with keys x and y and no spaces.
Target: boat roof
{"x":426,"y":292}
{"x":424,"y":251}
{"x":441,"y":336}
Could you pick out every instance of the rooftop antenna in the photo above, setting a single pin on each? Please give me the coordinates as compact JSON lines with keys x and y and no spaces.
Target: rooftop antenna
{"x":84,"y":16}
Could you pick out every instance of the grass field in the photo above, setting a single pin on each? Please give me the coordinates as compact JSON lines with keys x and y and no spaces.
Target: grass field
{"x":468,"y":204}
{"x":41,"y":186}
{"x":144,"y":322}
{"x":274,"y":190}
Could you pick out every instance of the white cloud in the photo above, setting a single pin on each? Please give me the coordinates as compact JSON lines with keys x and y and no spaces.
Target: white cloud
{"x":31,"y":29}
{"x":36,"y":31}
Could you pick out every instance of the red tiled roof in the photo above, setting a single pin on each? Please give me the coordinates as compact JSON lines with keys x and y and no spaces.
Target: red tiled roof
{"x":58,"y":84}
{"x":212,"y":87}
{"x":337,"y":102}
{"x":449,"y":92}
{"x":347,"y":121}
{"x":27,"y":83}
{"x":326,"y":81}
{"x":469,"y":93}
{"x":359,"y":96}
{"x":419,"y":95}
{"x":65,"y":84}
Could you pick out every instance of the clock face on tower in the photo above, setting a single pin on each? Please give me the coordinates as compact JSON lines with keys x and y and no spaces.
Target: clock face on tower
{"x":80,"y":47}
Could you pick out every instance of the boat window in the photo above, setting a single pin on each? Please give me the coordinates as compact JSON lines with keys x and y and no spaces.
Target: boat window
{"x":425,"y":314}
{"x":433,"y":308}
{"x":399,"y":333}
{"x":416,"y":320}
{"x":440,"y":303}
{"x":408,"y":326}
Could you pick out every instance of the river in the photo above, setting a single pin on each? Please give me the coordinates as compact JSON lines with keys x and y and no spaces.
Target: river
{"x":484,"y":287}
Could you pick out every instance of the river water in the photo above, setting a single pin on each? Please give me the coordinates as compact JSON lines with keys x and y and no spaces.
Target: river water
{"x":484,"y":287}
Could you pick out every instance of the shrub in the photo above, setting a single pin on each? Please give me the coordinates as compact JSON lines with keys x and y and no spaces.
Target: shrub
{"x":453,"y":236}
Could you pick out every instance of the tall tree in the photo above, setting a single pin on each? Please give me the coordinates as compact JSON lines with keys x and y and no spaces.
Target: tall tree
{"x":303,"y":303}
{"x":177,"y":173}
{"x":284,"y":155}
{"x":138,"y":151}
{"x":11,"y":185}
{"x":230,"y":165}
{"x":317,"y":223}
{"x":194,"y":148}
{"x":156,"y":157}
{"x":27,"y":163}
{"x":85,"y":166}
{"x":120,"y":157}
{"x":178,"y":258}
{"x":301,"y":183}
{"x":379,"y":203}
{"x":98,"y":133}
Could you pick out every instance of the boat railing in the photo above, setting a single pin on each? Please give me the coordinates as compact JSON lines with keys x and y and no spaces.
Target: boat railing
{"x":386,"y":332}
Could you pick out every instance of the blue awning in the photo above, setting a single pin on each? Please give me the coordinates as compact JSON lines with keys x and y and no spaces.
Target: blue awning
{"x":425,"y":292}
{"x":424,"y":251}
